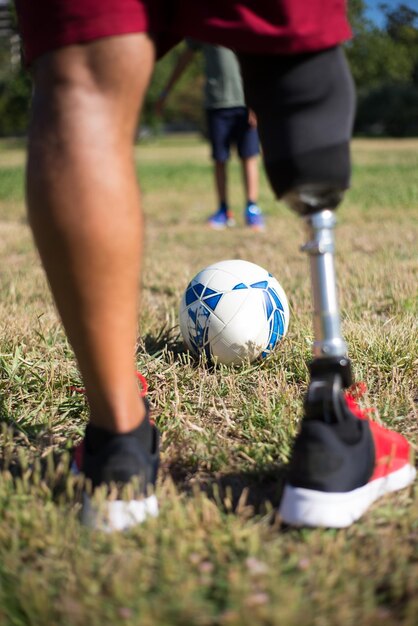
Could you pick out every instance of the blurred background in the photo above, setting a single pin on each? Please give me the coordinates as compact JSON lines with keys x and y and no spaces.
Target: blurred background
{"x":383,"y":56}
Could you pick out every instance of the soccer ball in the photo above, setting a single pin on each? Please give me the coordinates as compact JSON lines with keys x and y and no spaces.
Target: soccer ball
{"x":233,"y":311}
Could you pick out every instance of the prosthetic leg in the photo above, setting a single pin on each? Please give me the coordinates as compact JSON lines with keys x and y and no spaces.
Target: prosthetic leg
{"x":341,"y":461}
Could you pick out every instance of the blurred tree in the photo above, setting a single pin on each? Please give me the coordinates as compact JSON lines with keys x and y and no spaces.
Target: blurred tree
{"x":384,"y":63}
{"x":402,"y":27}
{"x":15,"y":93}
{"x":356,"y":16}
{"x":15,"y":81}
{"x":375,"y":55}
{"x":400,"y":23}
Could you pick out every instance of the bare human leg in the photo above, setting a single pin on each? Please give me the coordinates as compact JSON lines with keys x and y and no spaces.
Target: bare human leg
{"x":222,"y":216}
{"x":221,"y":182}
{"x":251,"y":178}
{"x":84,"y":209}
{"x":252,"y":214}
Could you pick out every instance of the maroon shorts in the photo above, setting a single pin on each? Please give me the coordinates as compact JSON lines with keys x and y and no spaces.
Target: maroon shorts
{"x":260,"y":26}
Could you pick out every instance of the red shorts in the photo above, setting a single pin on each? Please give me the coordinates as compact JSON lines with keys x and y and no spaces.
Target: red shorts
{"x":260,"y":26}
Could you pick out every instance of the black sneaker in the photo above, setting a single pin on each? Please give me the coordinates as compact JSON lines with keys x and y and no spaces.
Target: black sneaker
{"x":126,"y":466}
{"x":337,"y":470}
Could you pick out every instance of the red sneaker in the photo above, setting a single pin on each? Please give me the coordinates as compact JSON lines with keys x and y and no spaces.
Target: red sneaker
{"x":338,"y":470}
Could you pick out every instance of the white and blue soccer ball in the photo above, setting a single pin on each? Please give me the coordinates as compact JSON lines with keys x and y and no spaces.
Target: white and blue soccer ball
{"x":233,"y":311}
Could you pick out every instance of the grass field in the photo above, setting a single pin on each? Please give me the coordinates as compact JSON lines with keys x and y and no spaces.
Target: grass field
{"x":217,"y":555}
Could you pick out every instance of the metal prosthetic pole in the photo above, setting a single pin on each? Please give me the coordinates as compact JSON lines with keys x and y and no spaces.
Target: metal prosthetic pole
{"x":330,"y":369}
{"x":320,"y":247}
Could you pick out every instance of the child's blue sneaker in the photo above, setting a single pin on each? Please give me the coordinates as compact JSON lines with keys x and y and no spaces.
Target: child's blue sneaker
{"x":254,"y":217}
{"x":221,"y":219}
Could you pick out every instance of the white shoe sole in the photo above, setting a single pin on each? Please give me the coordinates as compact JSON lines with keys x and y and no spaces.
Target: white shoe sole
{"x":307,"y":507}
{"x":117,"y":515}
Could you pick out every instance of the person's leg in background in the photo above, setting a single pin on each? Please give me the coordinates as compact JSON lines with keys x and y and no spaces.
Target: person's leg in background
{"x":218,"y":124}
{"x":84,"y":209}
{"x":253,"y":215}
{"x":246,"y":139}
{"x":341,"y":461}
{"x":221,"y":184}
{"x":250,"y":178}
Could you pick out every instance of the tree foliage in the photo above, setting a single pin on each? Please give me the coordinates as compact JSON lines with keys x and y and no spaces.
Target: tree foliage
{"x":384,"y":63}
{"x":15,"y":87}
{"x":15,"y":92}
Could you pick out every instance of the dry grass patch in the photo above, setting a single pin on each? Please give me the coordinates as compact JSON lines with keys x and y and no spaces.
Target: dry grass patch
{"x":216,"y":556}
